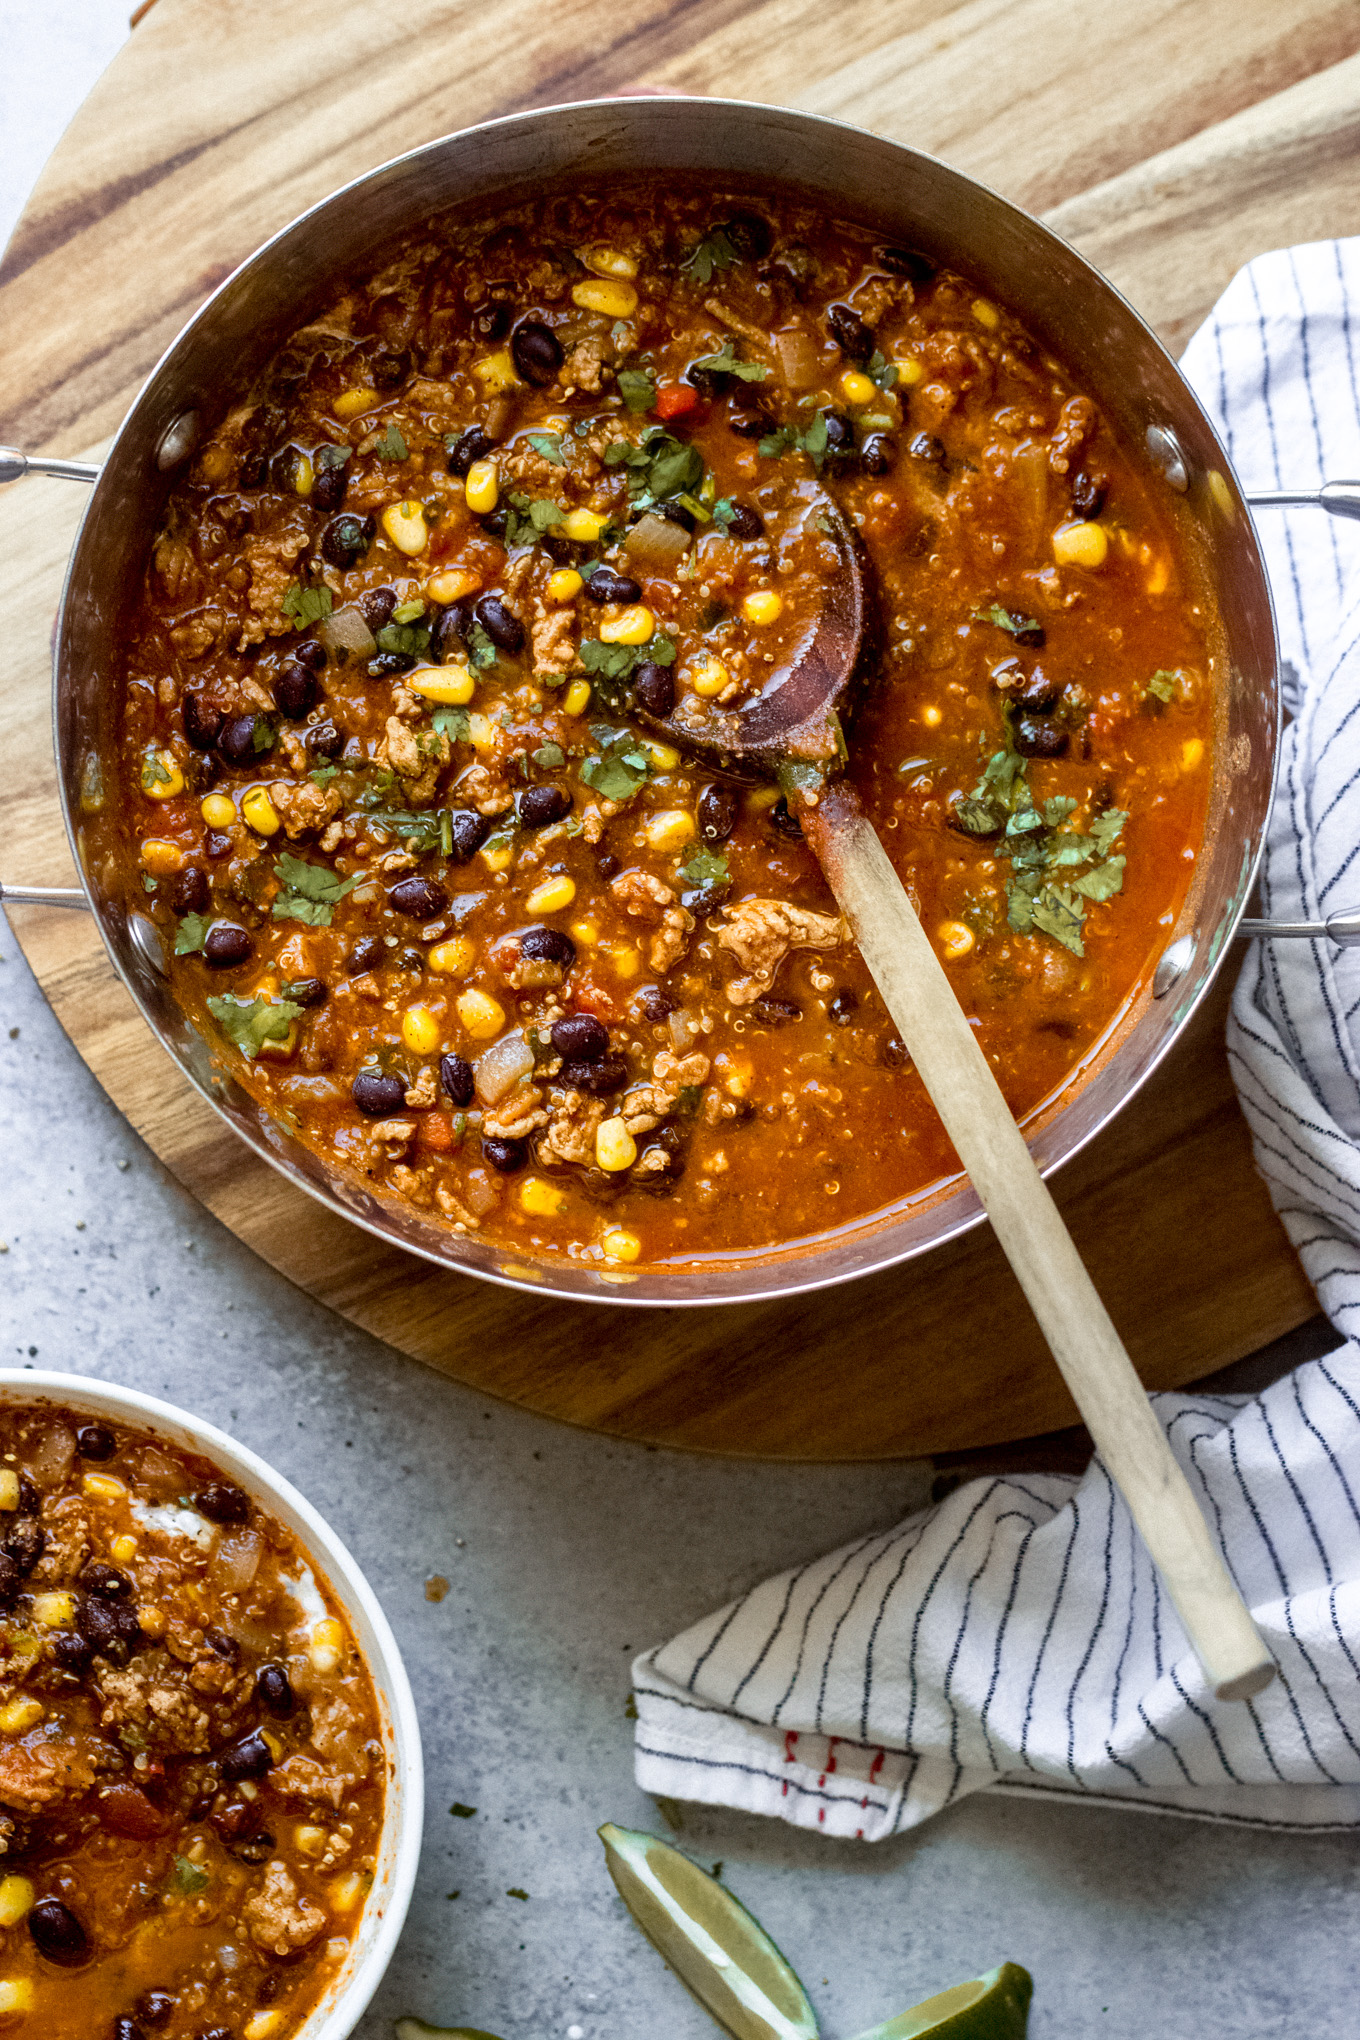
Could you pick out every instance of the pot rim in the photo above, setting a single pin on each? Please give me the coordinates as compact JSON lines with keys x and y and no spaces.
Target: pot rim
{"x":540,"y":1277}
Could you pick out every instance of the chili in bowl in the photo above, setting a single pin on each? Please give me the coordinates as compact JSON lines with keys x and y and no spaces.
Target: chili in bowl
{"x":210,"y":1783}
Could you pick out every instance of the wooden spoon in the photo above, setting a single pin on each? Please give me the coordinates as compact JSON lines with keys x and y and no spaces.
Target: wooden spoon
{"x":794,"y":733}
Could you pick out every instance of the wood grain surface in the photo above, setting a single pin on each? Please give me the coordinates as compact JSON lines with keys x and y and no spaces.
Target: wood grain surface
{"x":1171,"y":140}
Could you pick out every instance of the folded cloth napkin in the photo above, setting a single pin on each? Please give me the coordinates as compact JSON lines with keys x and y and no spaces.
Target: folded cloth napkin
{"x":1016,"y":1636}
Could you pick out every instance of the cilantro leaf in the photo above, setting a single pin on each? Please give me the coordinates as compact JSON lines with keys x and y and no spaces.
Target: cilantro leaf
{"x":188,"y":1878}
{"x":1105,"y":828}
{"x":190,"y":933}
{"x":725,"y":362}
{"x":1163,"y":685}
{"x":419,"y":832}
{"x":977,"y":817}
{"x":881,"y":371}
{"x":1104,"y":882}
{"x":1058,"y":913}
{"x":637,"y":387}
{"x":659,"y":466}
{"x":714,"y":252}
{"x":706,"y":867}
{"x":810,"y":440}
{"x":156,"y":768}
{"x":250,"y":1023}
{"x":454,"y":723}
{"x":527,"y":518}
{"x":329,"y":457}
{"x":481,"y":651}
{"x":392,"y":446}
{"x":1026,"y":630}
{"x":549,"y":444}
{"x":619,"y":767}
{"x":550,"y":756}
{"x":310,"y":891}
{"x":412,"y":639}
{"x":306,"y":605}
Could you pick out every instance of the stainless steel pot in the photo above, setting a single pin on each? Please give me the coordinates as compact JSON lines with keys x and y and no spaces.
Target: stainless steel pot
{"x":908,"y":197}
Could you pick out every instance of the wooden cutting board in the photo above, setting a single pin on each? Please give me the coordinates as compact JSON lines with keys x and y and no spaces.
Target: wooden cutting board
{"x":1170,"y":139}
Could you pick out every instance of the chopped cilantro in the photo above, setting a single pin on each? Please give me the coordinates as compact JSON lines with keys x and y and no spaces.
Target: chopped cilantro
{"x":725,"y":362}
{"x":156,"y":768}
{"x":187,"y":1878}
{"x":881,"y":371}
{"x":329,"y":457}
{"x":190,"y":933}
{"x":454,"y":723}
{"x":810,"y":439}
{"x":724,"y":511}
{"x":250,"y":1023}
{"x":714,"y":252}
{"x":306,"y":606}
{"x":660,"y":467}
{"x":322,"y":775}
{"x":550,"y":756}
{"x":481,"y":651}
{"x":1104,"y":882}
{"x":527,"y":518}
{"x":1046,"y":889}
{"x":1026,"y":630}
{"x":515,"y":1892}
{"x":1163,"y":685}
{"x":263,"y":736}
{"x":419,"y":832}
{"x":549,"y":444}
{"x":611,"y":665}
{"x":392,"y":446}
{"x":309,"y":891}
{"x":706,"y":867}
{"x":689,"y":1098}
{"x":149,"y":884}
{"x":637,"y":388}
{"x":1106,"y":827}
{"x":619,"y":767}
{"x":410,"y":639}
{"x":461,"y":1812}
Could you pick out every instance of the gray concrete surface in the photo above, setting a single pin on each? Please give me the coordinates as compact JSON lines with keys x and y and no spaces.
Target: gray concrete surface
{"x":566,"y":1553}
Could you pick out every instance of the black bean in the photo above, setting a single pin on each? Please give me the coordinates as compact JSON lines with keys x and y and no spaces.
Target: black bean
{"x":597,"y":1078}
{"x":775,"y":1012}
{"x":605,"y":585}
{"x":895,"y":1053}
{"x":324,"y":740}
{"x":840,"y":434}
{"x":925,"y":446}
{"x":580,"y":1037}
{"x":654,"y":688}
{"x":536,"y":352}
{"x":310,"y":651}
{"x":274,"y":1690}
{"x":154,"y":2007}
{"x":377,"y":607}
{"x":389,"y":370}
{"x":718,"y":810}
{"x":458,"y":1079}
{"x":217,"y":845}
{"x":703,"y":900}
{"x":606,"y":864}
{"x":249,"y":1757}
{"x":709,"y":382}
{"x":1032,"y":634}
{"x":751,"y":235}
{"x":258,"y":1849}
{"x":1088,"y":494}
{"x":849,"y":332}
{"x":106,"y":1581}
{"x":842,"y":1007}
{"x":655,"y":1005}
{"x":783,"y":819}
{"x":496,"y":523}
{"x":908,"y":262}
{"x":127,"y":2029}
{"x":377,"y":1096}
{"x":368,"y":953}
{"x":451,"y":627}
{"x":1036,"y":737}
{"x":467,"y":832}
{"x":296,"y":691}
{"x":385,"y":664}
{"x":490,"y":322}
{"x":674,"y":513}
{"x":26,"y":1544}
{"x":877,"y":453}
{"x":11,"y":1579}
{"x":798,"y":267}
{"x":58,"y":1934}
{"x":501,"y":625}
{"x":221,"y":1501}
{"x":421,"y":898}
{"x":539,"y":805}
{"x":110,"y":1628}
{"x":328,"y":490}
{"x":70,"y":1652}
{"x":505,"y":1155}
{"x":1036,"y":691}
{"x":190,"y":892}
{"x":346,"y":539}
{"x":548,"y":945}
{"x":236,"y":740}
{"x":745,"y":522}
{"x":308,"y":991}
{"x":237,"y":1819}
{"x":474,"y":444}
{"x":225,"y":1646}
{"x":226,"y":946}
{"x":202,"y":722}
{"x":749,"y":422}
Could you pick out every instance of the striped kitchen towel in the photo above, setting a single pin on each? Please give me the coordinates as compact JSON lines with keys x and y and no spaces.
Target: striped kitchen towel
{"x":1016,"y":1637}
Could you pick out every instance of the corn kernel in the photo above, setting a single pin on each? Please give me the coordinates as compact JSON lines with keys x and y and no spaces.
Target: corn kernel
{"x":1192,"y":750}
{"x":1159,"y":575}
{"x":497,"y":372}
{"x":956,"y":939}
{"x":932,"y":717}
{"x":123,"y":1549}
{"x":615,"y":299}
{"x":20,"y":1713}
{"x":350,"y":403}
{"x":858,"y":388}
{"x":632,"y":626}
{"x":552,"y":896}
{"x":909,"y":372}
{"x":161,"y":776}
{"x":264,"y":2025}
{"x":615,"y":1147}
{"x":564,"y":585}
{"x":483,"y":732}
{"x":451,"y":584}
{"x":16,"y":1900}
{"x":609,"y":262}
{"x":1080,"y":545}
{"x":454,"y":683}
{"x":582,"y":527}
{"x":259,"y":811}
{"x":620,"y":1245}
{"x":420,"y":1030}
{"x":345,"y":1892}
{"x":327,"y":1642}
{"x":153,"y":1622}
{"x":161,"y":856}
{"x":103,"y":1487}
{"x":218,"y":810}
{"x":626,"y":959}
{"x":709,"y":676}
{"x":54,"y":1611}
{"x":304,"y":475}
{"x":16,"y":1995}
{"x":9,"y":1488}
{"x":541,"y":1199}
{"x":985,"y":314}
{"x":405,"y":525}
{"x":763,"y":605}
{"x":311,"y":1840}
{"x":497,"y":855}
{"x":669,"y":829}
{"x":480,"y":1014}
{"x":483,"y":487}
{"x":576,"y":700}
{"x":664,"y":757}
{"x":586,"y":933}
{"x":454,"y":957}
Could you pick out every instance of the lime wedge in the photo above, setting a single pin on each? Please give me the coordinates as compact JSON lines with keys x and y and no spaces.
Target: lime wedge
{"x":710,"y":1940}
{"x":419,"y":2029}
{"x":991,"y":2007}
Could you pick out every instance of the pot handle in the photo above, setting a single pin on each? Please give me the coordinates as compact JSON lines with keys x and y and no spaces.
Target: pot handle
{"x":1341,"y":498}
{"x":43,"y":896}
{"x":1343,"y":929}
{"x":14,"y":464}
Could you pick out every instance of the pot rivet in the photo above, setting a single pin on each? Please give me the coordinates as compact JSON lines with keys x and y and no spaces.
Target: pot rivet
{"x":177,"y":441}
{"x":1175,"y":963}
{"x":1165,"y":450}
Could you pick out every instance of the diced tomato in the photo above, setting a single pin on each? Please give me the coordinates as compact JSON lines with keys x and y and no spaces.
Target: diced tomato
{"x":588,"y":997}
{"x":436,"y":1132}
{"x":675,"y":401}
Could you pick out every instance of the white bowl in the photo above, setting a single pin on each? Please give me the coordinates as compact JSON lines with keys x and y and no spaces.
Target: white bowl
{"x":338,"y":2011}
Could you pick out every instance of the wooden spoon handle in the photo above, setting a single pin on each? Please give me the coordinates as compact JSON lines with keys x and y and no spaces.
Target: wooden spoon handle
{"x":1085,"y":1344}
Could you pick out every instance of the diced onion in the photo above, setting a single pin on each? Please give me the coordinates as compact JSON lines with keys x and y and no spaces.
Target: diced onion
{"x":656,"y":545}
{"x":502,"y":1066}
{"x":684,"y":1027}
{"x":344,"y":630}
